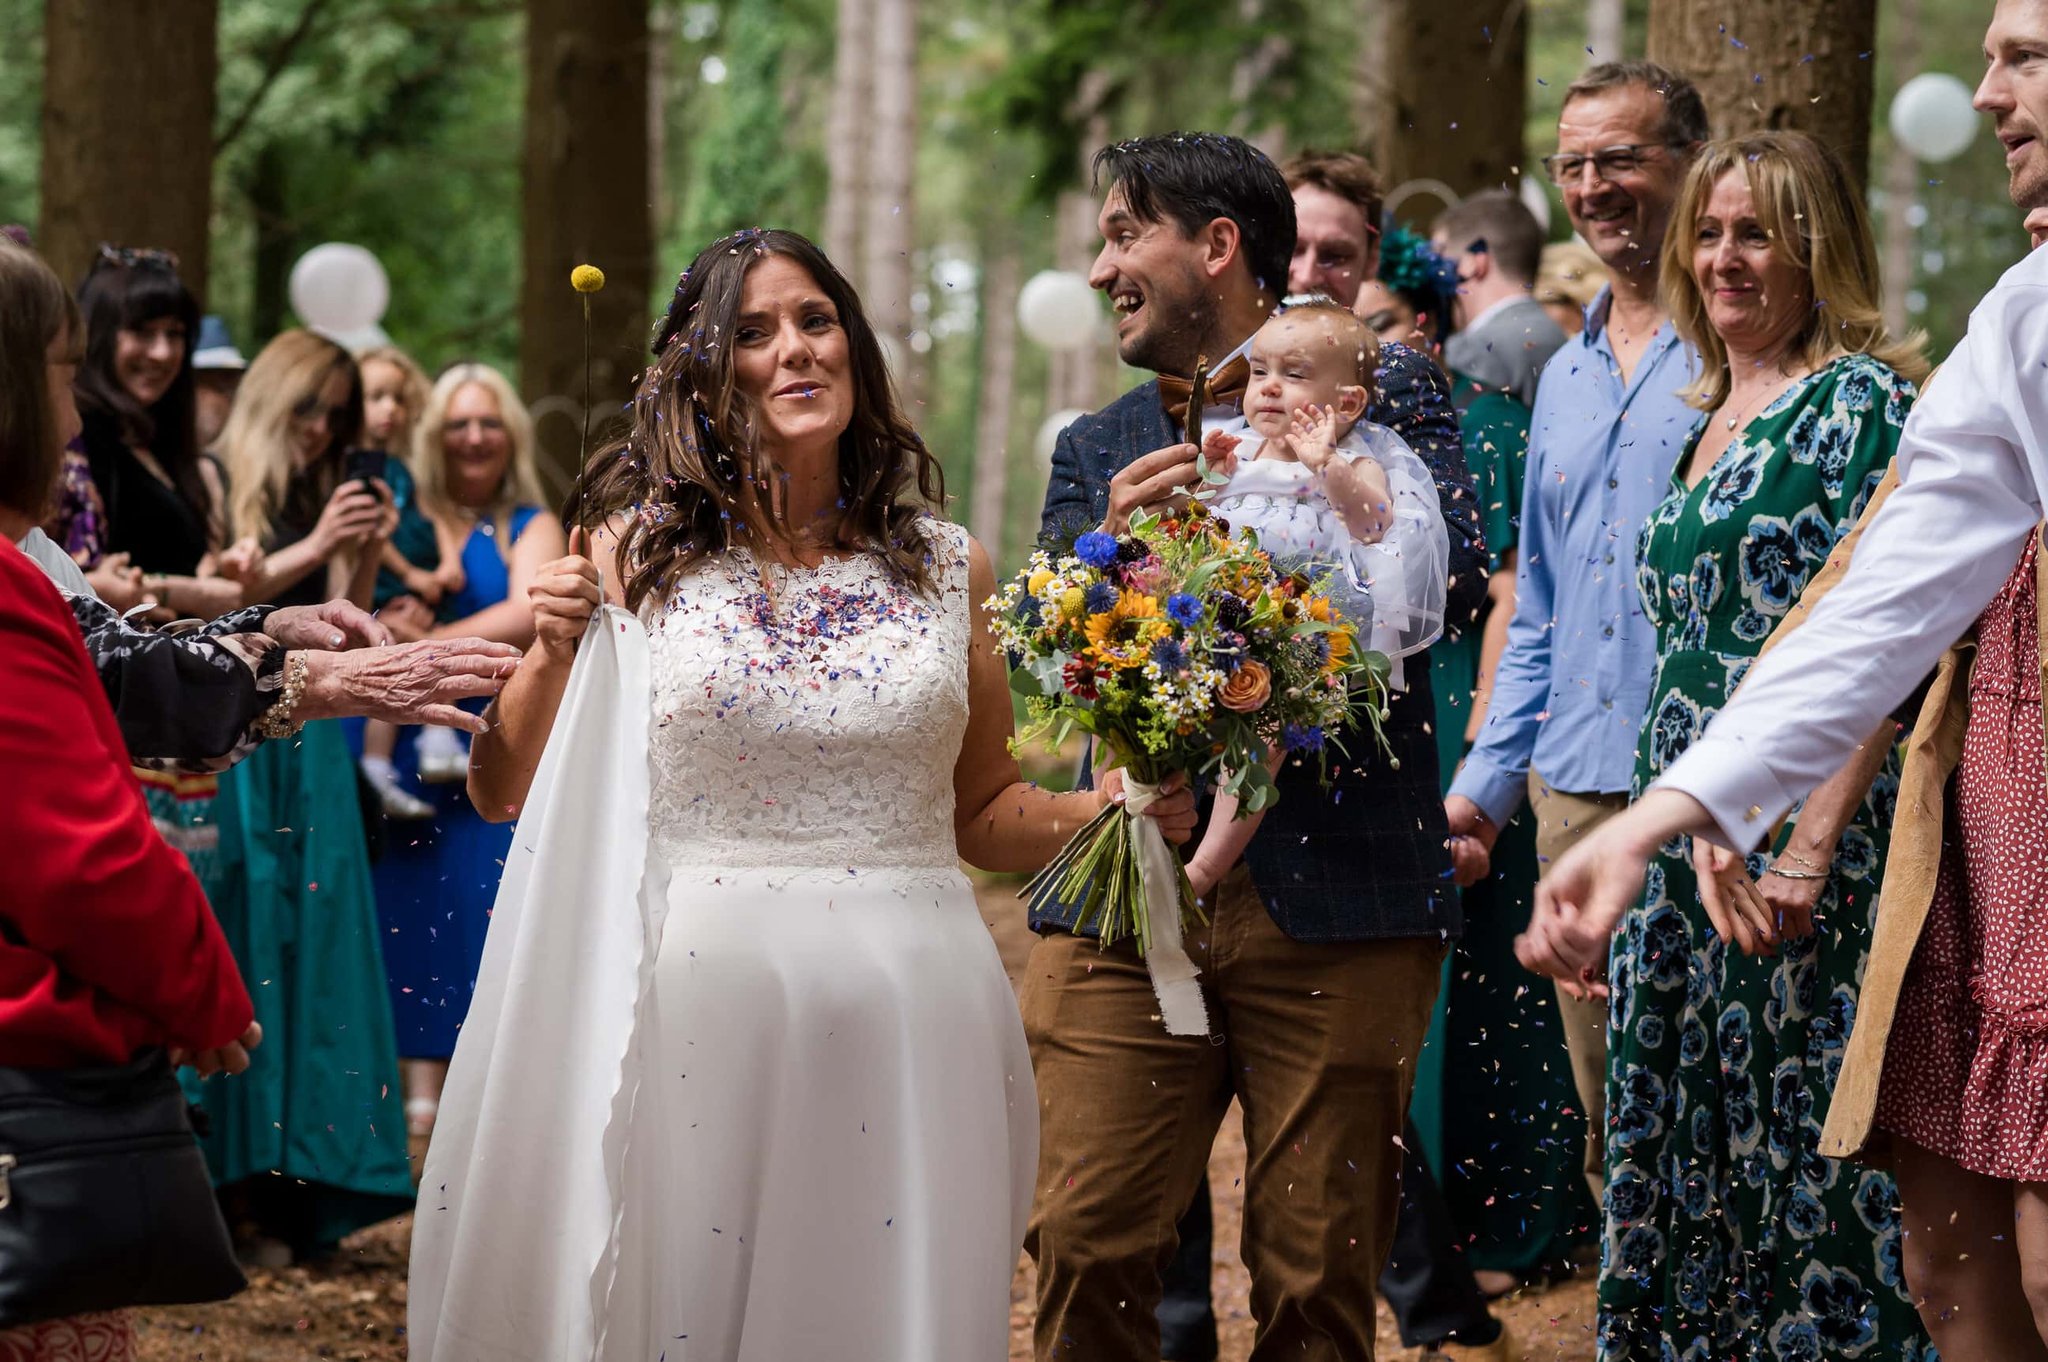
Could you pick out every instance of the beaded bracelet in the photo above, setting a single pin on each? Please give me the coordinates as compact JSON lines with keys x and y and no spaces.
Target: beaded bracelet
{"x":277,"y":721}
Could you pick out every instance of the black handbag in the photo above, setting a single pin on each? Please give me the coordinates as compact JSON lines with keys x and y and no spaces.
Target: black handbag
{"x":105,"y":1200}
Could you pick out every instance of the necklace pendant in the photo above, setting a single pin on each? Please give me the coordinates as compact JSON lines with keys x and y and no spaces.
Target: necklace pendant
{"x":1731,"y":423}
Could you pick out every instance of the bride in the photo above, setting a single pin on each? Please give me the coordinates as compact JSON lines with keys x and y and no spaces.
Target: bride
{"x":744,"y":1079}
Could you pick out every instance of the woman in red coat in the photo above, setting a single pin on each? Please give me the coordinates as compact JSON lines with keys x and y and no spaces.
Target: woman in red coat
{"x":107,"y":946}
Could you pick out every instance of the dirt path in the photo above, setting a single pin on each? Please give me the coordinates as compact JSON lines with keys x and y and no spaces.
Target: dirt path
{"x":354,"y":1306}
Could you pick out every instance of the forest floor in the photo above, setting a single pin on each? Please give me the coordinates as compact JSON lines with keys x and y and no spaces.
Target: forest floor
{"x":353,"y":1306}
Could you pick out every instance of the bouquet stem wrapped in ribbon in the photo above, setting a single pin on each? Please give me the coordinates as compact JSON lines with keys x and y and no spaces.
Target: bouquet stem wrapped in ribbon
{"x":1180,"y":648}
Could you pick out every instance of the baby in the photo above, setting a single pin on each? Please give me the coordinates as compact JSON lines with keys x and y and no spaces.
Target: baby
{"x":1329,"y":492}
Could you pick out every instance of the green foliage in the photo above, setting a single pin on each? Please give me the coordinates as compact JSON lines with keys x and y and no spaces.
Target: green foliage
{"x":392,"y":123}
{"x":21,"y":102}
{"x":1167,"y":64}
{"x":745,"y":168}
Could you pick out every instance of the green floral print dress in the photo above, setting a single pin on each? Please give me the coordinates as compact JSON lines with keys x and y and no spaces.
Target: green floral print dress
{"x":1726,"y":1234}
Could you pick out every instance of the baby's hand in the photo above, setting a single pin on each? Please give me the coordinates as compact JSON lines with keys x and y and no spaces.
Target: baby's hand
{"x":1314,"y":434}
{"x":1219,"y":452}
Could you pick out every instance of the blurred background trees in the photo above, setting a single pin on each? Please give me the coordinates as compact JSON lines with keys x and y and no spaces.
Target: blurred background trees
{"x":937,"y":147}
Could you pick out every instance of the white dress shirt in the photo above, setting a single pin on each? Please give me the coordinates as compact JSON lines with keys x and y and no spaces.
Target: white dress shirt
{"x":1973,"y":477}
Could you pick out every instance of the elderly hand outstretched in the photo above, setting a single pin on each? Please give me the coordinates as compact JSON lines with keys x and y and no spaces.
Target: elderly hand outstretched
{"x":565,"y":594}
{"x":329,"y":627}
{"x":1581,"y":900}
{"x":408,"y":683}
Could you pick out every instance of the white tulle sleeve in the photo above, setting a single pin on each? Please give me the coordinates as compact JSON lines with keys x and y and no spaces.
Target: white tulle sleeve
{"x":1404,"y":573}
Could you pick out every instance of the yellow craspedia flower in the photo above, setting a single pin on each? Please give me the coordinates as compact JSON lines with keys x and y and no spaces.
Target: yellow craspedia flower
{"x":1035,"y":583}
{"x":1073,"y":602}
{"x":586,"y":279}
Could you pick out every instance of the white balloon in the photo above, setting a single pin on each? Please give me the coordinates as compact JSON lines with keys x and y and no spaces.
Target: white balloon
{"x":1049,"y":432}
{"x":1058,"y":309}
{"x":340,"y":289}
{"x":1932,"y":118}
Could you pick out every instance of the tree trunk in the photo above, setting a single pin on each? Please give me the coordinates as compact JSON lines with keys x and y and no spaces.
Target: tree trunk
{"x":1607,"y":30}
{"x":997,"y":389}
{"x":846,"y":143}
{"x":105,"y":175}
{"x":1454,"y":72}
{"x":889,"y":228}
{"x":1763,"y":64}
{"x":585,"y":201}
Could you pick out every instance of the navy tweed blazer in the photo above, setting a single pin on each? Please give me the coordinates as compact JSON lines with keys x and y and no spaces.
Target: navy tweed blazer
{"x":1365,"y":859}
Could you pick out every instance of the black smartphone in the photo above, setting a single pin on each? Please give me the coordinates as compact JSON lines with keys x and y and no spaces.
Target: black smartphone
{"x":364,"y":466}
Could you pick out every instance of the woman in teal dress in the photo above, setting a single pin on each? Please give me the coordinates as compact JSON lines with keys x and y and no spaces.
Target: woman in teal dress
{"x":1726,"y":1234}
{"x":309,"y":1144}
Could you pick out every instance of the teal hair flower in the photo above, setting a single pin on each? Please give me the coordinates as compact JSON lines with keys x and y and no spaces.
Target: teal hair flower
{"x":1408,"y":265}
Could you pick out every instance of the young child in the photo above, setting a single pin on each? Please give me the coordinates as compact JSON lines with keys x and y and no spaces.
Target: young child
{"x":1329,"y":492}
{"x":416,"y":561}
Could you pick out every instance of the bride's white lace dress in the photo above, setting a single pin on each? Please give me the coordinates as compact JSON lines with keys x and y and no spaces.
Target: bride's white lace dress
{"x":822,"y":1135}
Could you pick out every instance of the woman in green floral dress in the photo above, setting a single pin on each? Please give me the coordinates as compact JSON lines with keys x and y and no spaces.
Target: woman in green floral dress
{"x":1726,"y":1234}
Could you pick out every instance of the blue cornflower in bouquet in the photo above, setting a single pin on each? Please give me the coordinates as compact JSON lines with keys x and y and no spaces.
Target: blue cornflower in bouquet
{"x":1096,"y":549}
{"x":1299,"y":738}
{"x":1180,"y":649}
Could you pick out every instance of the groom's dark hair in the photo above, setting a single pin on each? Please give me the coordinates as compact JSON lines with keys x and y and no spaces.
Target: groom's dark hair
{"x":1192,"y":178}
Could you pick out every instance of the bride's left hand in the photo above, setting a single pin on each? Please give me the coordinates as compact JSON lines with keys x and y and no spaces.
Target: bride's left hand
{"x":1174,"y":809}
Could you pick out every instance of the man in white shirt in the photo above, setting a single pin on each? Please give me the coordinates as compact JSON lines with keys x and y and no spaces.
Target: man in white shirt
{"x":1973,"y":478}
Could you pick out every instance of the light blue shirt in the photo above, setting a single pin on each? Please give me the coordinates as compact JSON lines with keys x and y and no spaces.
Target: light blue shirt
{"x":1574,"y":683}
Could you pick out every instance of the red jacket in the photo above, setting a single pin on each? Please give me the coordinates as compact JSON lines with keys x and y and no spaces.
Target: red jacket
{"x":107,"y":944}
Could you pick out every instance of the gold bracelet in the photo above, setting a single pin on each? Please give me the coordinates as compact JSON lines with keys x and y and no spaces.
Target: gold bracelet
{"x":277,"y":721}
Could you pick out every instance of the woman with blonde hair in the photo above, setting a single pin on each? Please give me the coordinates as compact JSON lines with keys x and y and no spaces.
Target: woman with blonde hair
{"x":473,"y":457}
{"x":311,"y":1145}
{"x":1727,"y":1231}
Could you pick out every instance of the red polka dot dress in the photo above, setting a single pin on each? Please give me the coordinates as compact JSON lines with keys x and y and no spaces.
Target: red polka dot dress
{"x":1966,"y":1067}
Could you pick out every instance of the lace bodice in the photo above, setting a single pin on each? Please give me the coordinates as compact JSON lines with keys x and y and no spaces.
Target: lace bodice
{"x":812,"y":721}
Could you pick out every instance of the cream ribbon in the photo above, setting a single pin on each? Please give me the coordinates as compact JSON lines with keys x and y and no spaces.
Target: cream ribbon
{"x":1174,"y":977}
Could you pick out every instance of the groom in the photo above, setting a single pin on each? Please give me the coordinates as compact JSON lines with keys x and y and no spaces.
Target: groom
{"x":1321,"y":960}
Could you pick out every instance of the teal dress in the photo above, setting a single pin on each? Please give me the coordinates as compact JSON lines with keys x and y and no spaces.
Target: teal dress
{"x":312,"y":1137}
{"x":1727,"y":1234}
{"x":1493,"y":1101}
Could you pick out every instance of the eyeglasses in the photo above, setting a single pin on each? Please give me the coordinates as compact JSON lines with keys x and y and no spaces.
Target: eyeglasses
{"x":484,"y":425}
{"x":1608,"y":163}
{"x":313,"y":409}
{"x":132,"y":257}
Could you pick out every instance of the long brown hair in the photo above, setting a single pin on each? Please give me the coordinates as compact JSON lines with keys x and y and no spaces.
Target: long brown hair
{"x":35,"y":309}
{"x":256,"y":442}
{"x":689,"y":477}
{"x":1816,"y":221}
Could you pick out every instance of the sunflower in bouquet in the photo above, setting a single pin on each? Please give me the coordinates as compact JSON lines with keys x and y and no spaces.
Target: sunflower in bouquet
{"x":1179,"y":647}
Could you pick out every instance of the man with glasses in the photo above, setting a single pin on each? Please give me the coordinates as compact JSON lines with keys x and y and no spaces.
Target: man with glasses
{"x":1608,"y":427}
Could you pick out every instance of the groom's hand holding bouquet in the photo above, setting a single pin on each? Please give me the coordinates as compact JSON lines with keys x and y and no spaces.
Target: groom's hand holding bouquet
{"x":1182,"y":650}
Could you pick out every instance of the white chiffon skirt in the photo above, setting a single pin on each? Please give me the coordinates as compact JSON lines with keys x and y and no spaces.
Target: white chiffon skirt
{"x":832,"y":1150}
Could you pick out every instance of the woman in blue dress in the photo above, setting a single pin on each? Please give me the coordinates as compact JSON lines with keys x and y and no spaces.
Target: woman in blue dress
{"x":474,"y":461}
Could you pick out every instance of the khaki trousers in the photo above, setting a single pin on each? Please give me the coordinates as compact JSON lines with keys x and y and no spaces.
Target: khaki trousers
{"x":1562,"y":819}
{"x":1318,"y":1043}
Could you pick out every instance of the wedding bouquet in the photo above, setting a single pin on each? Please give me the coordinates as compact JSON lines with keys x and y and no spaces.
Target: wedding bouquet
{"x":1181,"y":648}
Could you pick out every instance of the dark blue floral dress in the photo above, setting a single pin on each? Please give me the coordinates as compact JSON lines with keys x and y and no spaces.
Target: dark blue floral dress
{"x":1726,"y":1234}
